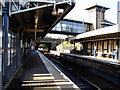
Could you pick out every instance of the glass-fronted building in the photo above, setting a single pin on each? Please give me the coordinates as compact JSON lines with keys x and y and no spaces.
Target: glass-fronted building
{"x":72,"y":26}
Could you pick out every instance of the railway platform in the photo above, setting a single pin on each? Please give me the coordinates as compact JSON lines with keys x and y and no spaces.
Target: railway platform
{"x":107,"y":68}
{"x":37,"y":73}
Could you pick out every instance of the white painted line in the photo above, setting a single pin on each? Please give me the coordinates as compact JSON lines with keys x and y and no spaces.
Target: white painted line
{"x":41,"y":56}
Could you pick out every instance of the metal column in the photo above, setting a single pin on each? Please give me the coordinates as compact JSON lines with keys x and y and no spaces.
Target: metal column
{"x":74,"y":48}
{"x":5,"y":40}
{"x":117,"y":47}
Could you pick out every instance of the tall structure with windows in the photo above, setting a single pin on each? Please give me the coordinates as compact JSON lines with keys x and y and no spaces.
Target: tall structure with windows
{"x":97,"y":16}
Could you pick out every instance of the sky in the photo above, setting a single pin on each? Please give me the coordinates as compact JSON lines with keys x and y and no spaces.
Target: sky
{"x":79,"y":10}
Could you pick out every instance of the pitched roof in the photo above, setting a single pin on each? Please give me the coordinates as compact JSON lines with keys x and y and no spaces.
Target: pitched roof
{"x":99,"y":6}
{"x":105,"y":22}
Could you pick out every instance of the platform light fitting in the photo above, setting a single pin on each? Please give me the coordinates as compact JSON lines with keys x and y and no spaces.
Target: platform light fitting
{"x":54,"y":12}
{"x":60,"y":11}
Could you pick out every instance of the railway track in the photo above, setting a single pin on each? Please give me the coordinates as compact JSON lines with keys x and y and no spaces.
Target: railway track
{"x":80,"y":75}
{"x":80,"y":81}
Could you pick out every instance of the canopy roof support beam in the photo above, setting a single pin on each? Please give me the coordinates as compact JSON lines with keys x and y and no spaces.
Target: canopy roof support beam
{"x":28,"y":8}
{"x":33,"y":30}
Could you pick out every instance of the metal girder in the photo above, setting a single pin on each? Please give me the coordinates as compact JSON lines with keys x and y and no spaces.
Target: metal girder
{"x":33,"y":30}
{"x":43,"y":26}
{"x":41,"y":1}
{"x":15,"y":7}
{"x":29,"y":9}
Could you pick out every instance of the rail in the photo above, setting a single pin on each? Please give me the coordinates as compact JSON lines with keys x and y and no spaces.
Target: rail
{"x":86,"y":83}
{"x":88,"y":75}
{"x":103,"y":67}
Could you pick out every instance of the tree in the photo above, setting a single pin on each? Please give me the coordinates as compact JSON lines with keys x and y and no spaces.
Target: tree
{"x":44,"y":46}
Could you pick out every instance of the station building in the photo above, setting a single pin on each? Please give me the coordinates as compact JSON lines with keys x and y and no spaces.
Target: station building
{"x":103,"y":37}
{"x":98,"y":36}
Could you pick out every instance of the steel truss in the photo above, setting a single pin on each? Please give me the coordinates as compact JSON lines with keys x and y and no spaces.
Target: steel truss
{"x":18,"y":6}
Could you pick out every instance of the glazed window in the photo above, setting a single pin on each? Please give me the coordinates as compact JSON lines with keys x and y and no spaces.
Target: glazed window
{"x":105,"y":45}
{"x":9,"y":58}
{"x":12,"y":41}
{"x":89,"y":47}
{"x":0,"y":39}
{"x":99,"y":46}
{"x":9,"y":40}
{"x":12,"y":55}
